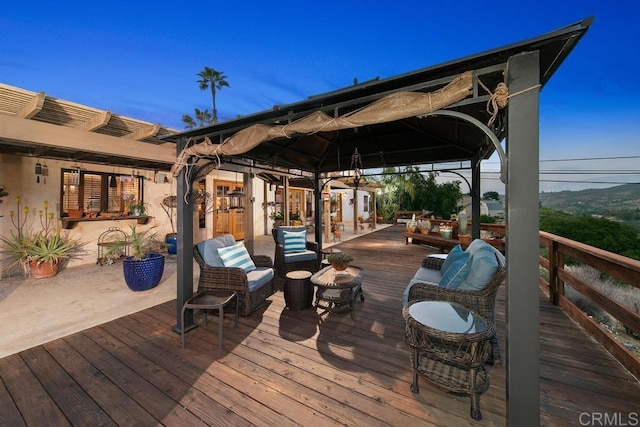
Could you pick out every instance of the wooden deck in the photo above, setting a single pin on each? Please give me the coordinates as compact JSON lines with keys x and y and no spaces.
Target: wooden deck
{"x":290,"y":368}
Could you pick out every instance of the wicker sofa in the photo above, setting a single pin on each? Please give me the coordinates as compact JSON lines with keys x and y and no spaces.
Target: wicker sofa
{"x":253,"y":287}
{"x":286,"y":262}
{"x":427,"y":285}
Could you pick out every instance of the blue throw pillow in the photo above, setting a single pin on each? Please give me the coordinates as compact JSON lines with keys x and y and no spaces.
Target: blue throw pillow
{"x":237,"y":256}
{"x":295,"y":241}
{"x":456,"y":273}
{"x":454,"y":255}
{"x":484,"y":266}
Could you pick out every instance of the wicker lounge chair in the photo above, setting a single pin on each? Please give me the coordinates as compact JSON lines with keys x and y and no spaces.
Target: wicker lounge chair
{"x":253,"y":288}
{"x":284,"y":263}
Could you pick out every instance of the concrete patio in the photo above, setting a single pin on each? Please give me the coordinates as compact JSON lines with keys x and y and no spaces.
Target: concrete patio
{"x":36,"y":311}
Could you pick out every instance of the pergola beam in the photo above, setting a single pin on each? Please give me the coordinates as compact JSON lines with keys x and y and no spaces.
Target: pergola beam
{"x":32,"y":107}
{"x":48,"y":135}
{"x":97,"y":122}
{"x":142,"y":133}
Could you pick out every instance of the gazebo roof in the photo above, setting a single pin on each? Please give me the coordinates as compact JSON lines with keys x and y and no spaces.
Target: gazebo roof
{"x":412,"y":140}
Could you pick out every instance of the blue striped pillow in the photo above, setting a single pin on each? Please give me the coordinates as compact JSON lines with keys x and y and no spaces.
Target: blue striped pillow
{"x":236,"y":256}
{"x":295,"y":241}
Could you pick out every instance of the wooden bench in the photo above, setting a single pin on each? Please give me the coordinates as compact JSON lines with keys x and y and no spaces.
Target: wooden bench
{"x":405,"y":216}
{"x":445,"y":245}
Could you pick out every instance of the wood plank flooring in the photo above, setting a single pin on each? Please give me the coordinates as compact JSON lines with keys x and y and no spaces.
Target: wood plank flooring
{"x":284,"y":368}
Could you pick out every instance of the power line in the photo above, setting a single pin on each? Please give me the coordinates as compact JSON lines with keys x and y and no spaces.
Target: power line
{"x":587,"y":159}
{"x":570,"y":181}
{"x":591,"y":158}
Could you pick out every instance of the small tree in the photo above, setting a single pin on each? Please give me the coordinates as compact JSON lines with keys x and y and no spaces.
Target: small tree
{"x":202,"y":118}
{"x":410,"y":189}
{"x":491,"y":195}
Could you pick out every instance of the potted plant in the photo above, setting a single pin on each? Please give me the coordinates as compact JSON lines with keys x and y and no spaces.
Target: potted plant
{"x":277,"y":218}
{"x":39,"y":253}
{"x":137,"y":209}
{"x":339,"y":260}
{"x":144,"y":267}
{"x":169,"y":204}
{"x":463,"y":235}
{"x":446,"y":230}
{"x":425,"y":226}
{"x":412,"y":225}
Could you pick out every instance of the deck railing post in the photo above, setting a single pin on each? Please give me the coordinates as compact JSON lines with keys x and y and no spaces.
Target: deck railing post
{"x":553,"y":272}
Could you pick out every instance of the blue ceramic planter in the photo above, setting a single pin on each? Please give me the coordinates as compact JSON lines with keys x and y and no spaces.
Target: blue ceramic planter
{"x":144,"y":274}
{"x":172,"y":243}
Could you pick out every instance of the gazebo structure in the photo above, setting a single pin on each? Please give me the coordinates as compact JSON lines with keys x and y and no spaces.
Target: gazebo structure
{"x":457,"y":111}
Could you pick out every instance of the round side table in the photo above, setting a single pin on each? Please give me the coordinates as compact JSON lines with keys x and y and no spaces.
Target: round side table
{"x":298,"y":290}
{"x":450,"y":345}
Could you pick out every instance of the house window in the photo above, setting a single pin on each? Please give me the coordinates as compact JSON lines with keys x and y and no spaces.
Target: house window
{"x":366,"y":203}
{"x":98,"y":191}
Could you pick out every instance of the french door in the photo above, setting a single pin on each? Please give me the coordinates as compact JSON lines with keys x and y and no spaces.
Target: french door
{"x":227,"y":219}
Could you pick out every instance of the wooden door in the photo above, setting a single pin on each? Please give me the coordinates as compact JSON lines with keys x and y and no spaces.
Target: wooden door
{"x":227,"y":219}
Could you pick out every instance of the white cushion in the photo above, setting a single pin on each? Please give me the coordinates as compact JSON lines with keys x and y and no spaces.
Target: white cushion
{"x":236,"y":256}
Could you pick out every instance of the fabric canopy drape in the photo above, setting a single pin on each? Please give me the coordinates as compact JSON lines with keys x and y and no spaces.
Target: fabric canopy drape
{"x":396,"y":106}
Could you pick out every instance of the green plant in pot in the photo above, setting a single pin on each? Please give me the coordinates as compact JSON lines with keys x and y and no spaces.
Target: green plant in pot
{"x":277,"y":218}
{"x":463,"y":232}
{"x":137,"y":209}
{"x":339,"y":260}
{"x":144,"y":267}
{"x":39,"y":253}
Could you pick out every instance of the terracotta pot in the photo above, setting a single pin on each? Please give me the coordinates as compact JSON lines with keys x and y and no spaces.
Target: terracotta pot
{"x":43,"y":269}
{"x":340,"y":267}
{"x":464,"y":238}
{"x":411,"y":229}
{"x":75,"y":213}
{"x":424,"y":231}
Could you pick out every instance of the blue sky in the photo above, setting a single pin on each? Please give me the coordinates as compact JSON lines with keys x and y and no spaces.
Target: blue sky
{"x":140,"y":59}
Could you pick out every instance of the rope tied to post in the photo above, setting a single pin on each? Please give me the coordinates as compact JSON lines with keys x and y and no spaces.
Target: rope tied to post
{"x":500,"y":98}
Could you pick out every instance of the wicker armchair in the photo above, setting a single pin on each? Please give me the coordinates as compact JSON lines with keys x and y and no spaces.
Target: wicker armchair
{"x":284,"y":264}
{"x":235,"y":279}
{"x":482,"y":301}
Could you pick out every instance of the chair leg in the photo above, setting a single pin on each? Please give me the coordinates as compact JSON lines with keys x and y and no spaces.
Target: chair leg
{"x":414,"y":368}
{"x":235,"y":326}
{"x":220,"y":326}
{"x":475,"y":407}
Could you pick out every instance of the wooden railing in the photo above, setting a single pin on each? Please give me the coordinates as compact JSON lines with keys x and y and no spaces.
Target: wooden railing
{"x":624,"y":269}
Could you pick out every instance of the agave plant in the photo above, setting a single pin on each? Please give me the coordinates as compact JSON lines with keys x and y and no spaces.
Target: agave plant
{"x":39,"y":247}
{"x":140,"y":243}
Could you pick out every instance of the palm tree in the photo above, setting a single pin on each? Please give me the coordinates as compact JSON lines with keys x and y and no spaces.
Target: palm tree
{"x":212,"y":79}
{"x":202,"y":118}
{"x":188,"y":121}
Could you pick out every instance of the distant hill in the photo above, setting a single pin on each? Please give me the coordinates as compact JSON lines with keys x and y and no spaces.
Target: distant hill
{"x":620,"y":203}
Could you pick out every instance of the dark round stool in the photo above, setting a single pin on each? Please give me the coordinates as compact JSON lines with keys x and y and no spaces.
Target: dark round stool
{"x":298,"y":290}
